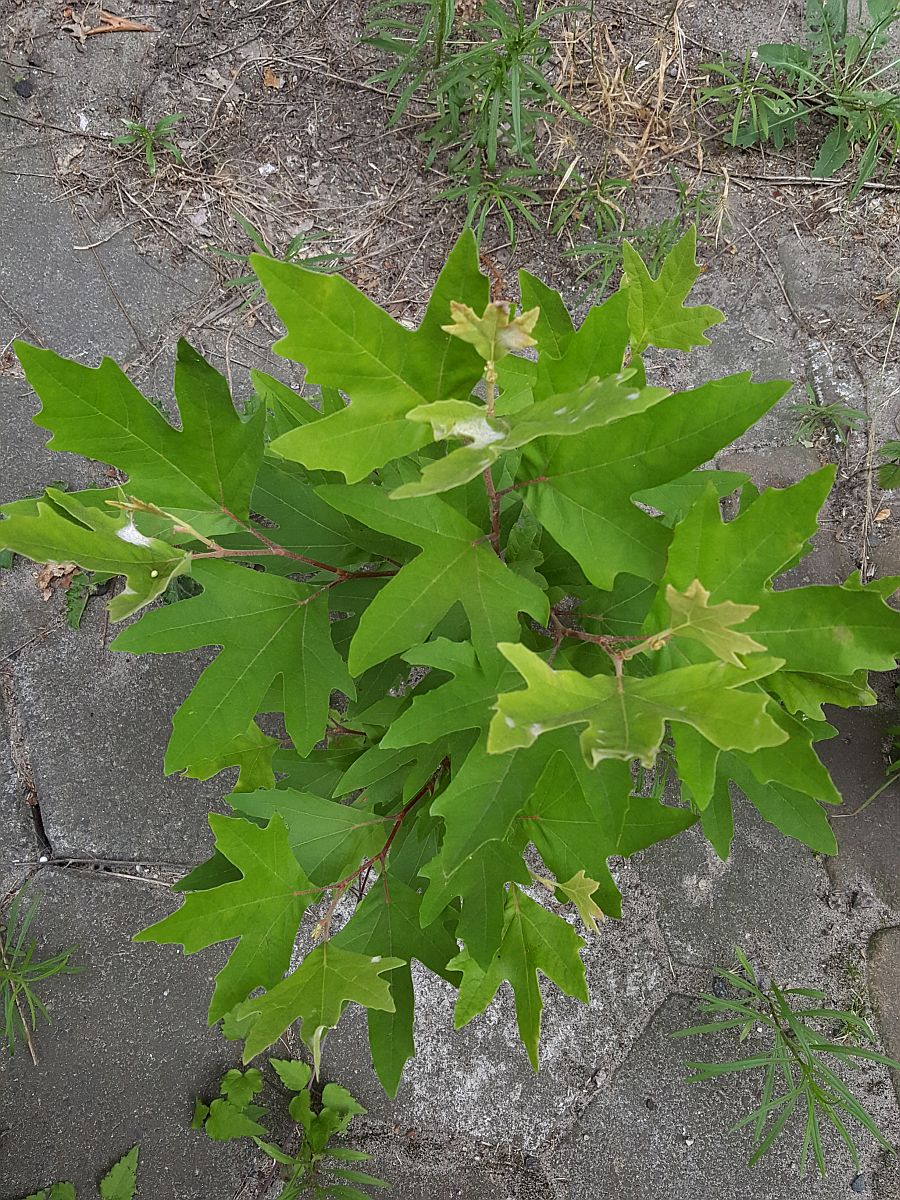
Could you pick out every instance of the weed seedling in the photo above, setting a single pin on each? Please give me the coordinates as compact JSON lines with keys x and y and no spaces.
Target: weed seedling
{"x":815,"y":418}
{"x":296,"y":251}
{"x":802,"y":1035}
{"x":154,"y":141}
{"x":317,"y":1168}
{"x":831,"y":78}
{"x":506,"y":195}
{"x":119,"y":1183}
{"x":21,"y":974}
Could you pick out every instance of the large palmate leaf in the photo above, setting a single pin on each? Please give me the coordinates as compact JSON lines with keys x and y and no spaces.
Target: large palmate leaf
{"x":347,"y":341}
{"x":626,"y":717}
{"x":657,"y":315}
{"x":533,"y":940}
{"x":585,"y":501}
{"x":844,"y":629}
{"x":479,"y":882}
{"x":262,"y":909}
{"x":316,"y":994}
{"x":569,"y":357}
{"x":305,"y":524}
{"x":328,"y":839}
{"x":455,"y":566}
{"x":61,"y":529}
{"x":771,"y":533}
{"x":207,"y":466}
{"x":270,"y":629}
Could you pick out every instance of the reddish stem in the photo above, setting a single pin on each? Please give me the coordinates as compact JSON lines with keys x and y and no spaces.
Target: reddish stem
{"x":341,"y":886}
{"x":494,"y":501}
{"x":525,"y":483}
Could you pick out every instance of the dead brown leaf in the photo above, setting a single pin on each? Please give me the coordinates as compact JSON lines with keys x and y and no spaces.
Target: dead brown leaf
{"x":271,"y":80}
{"x":882,"y":515}
{"x":53,"y":576}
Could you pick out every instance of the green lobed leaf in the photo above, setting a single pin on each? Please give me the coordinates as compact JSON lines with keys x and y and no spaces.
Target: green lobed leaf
{"x":347,"y":341}
{"x":626,"y":717}
{"x":270,"y":629}
{"x":533,"y":940}
{"x":657,"y":315}
{"x":252,"y":752}
{"x":227,"y":1121}
{"x":294,"y":1075}
{"x":480,"y":883}
{"x":199,"y":471}
{"x":316,"y":994}
{"x":121,"y":1180}
{"x":595,"y":404}
{"x":262,"y":909}
{"x":61,"y":529}
{"x":387,"y":924}
{"x":328,"y":839}
{"x":455,"y":566}
{"x":585,"y":502}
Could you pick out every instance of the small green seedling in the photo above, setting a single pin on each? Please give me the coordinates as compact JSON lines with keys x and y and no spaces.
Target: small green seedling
{"x":20,"y":974}
{"x":506,"y":194}
{"x":315,"y":1169}
{"x":798,"y":1077}
{"x":815,"y":418}
{"x":296,"y":251}
{"x":154,"y":141}
{"x":118,"y":1184}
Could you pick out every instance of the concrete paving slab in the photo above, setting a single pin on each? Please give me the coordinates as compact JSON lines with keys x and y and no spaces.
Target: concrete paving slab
{"x":652,"y":1136}
{"x":422,"y":1168}
{"x":126,"y":1054}
{"x":884,"y":984}
{"x":770,"y":897}
{"x":869,"y":842}
{"x":97,"y":724}
{"x":18,"y":843}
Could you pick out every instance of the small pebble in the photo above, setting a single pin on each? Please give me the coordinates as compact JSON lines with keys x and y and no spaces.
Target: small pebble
{"x":531,"y":1162}
{"x":858,"y":1184}
{"x":719,"y":987}
{"x":23,"y":88}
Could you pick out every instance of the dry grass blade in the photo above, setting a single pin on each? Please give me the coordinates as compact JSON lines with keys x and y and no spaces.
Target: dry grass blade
{"x":640,"y":98}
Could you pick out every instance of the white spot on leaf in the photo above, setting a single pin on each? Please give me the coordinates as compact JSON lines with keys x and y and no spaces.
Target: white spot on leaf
{"x":131,"y":534}
{"x":476,"y":429}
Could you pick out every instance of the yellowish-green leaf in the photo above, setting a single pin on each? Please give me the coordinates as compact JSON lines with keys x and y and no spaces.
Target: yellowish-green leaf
{"x":60,"y":529}
{"x":494,"y":334}
{"x":580,"y":890}
{"x":626,"y":718}
{"x":694,"y":618}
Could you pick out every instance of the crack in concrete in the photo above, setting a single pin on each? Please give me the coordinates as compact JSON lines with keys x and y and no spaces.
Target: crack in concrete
{"x":21,"y":759}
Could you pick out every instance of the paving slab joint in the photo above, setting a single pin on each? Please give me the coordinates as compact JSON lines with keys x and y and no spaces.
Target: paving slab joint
{"x":606,"y":1073}
{"x":21,"y":759}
